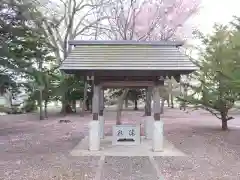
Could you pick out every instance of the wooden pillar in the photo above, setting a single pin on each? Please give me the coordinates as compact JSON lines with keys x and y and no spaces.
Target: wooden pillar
{"x":95,"y":101}
{"x":148,"y":101}
{"x":101,"y":109}
{"x":148,"y":122}
{"x":101,"y":101}
{"x":156,"y":101}
{"x":157,"y":141}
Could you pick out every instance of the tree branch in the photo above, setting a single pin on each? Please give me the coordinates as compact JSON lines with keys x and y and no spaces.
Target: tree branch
{"x":79,"y":32}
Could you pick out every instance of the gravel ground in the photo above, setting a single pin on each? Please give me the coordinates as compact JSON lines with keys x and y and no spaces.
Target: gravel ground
{"x":212,"y":153}
{"x":126,"y":168}
{"x":32,"y":150}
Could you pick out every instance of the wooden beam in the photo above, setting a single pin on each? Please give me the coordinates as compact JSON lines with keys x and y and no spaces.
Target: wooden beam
{"x":121,"y":84}
{"x":126,"y":78}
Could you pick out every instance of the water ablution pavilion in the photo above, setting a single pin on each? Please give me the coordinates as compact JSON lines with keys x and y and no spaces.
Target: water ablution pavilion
{"x":127,"y":64}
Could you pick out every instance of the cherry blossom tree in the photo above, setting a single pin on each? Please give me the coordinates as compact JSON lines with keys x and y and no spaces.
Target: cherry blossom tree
{"x":146,"y":20}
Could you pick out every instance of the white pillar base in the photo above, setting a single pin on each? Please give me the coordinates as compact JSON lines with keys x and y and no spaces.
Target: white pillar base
{"x":102,"y":122}
{"x":94,"y":136}
{"x":157,"y":141}
{"x":148,"y":127}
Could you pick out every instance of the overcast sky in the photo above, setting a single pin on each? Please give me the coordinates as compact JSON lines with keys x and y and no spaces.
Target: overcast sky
{"x":220,"y":11}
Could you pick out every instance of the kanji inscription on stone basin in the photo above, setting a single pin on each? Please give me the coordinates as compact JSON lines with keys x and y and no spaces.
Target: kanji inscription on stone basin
{"x":126,"y":135}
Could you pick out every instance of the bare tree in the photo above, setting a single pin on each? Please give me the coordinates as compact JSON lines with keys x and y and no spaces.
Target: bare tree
{"x":67,"y":20}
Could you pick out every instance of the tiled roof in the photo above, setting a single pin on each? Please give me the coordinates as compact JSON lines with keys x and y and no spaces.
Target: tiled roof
{"x":126,"y":55}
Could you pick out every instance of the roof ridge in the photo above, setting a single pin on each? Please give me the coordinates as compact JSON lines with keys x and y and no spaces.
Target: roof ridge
{"x":125,"y":42}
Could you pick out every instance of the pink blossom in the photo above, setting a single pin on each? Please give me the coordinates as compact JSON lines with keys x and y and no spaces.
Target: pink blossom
{"x":153,"y":19}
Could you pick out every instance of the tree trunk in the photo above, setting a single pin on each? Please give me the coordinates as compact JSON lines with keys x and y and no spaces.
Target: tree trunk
{"x":184,"y":96}
{"x":162,"y":105}
{"x":56,"y":103}
{"x":87,"y":104}
{"x":40,"y":88}
{"x":45,"y":109}
{"x":180,"y":94}
{"x":40,"y":105}
{"x":169,"y":92}
{"x":74,"y":108}
{"x":224,"y":125}
{"x":120,"y":106}
{"x":68,"y":109}
{"x":91,"y":101}
{"x":171,"y":100}
{"x":135,"y":105}
{"x":170,"y":96}
{"x":64,"y":104}
{"x":224,"y":121}
{"x":145,"y":109}
{"x":126,"y":103}
{"x":81,"y":107}
{"x":85,"y":96}
{"x":168,"y":103}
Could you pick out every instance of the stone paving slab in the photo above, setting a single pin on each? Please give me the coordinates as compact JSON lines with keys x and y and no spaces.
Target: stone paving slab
{"x":128,"y":168}
{"x":107,"y":149}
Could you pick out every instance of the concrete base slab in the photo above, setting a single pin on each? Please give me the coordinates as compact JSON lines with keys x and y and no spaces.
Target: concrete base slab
{"x":148,"y":127}
{"x":107,"y":149}
{"x":94,"y":136}
{"x":157,"y":141}
{"x":102,"y":122}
